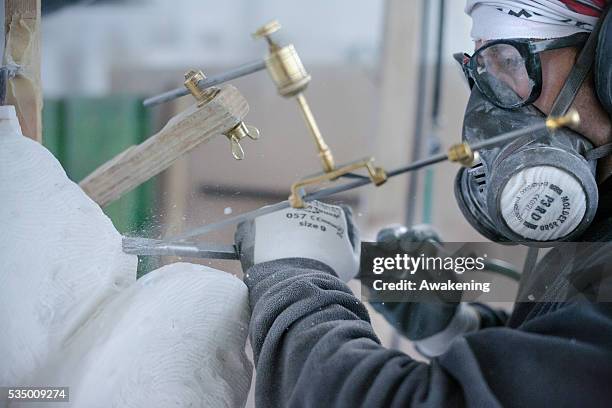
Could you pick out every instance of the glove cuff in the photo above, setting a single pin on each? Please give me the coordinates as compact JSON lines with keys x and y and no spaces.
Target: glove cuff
{"x":466,"y":320}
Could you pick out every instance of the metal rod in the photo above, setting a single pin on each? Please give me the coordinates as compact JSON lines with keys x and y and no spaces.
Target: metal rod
{"x":4,"y":78}
{"x":317,"y":195}
{"x":238,"y":72}
{"x":141,"y":246}
{"x":231,"y":221}
{"x":494,"y":141}
{"x":418,"y":133}
{"x":433,"y":142}
{"x":437,"y":87}
{"x":324,"y":153}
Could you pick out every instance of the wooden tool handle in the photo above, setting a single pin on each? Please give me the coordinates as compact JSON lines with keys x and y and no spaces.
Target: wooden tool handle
{"x":182,"y":133}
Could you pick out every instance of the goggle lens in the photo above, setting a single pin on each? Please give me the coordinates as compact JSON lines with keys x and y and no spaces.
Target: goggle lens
{"x":500,"y":71}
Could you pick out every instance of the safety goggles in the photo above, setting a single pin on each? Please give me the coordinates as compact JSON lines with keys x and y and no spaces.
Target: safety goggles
{"x":508,"y":72}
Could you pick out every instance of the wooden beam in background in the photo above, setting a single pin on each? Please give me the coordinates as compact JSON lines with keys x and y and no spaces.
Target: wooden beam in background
{"x":22,"y":33}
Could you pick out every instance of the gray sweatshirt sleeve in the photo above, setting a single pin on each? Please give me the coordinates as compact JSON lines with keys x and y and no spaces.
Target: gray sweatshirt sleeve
{"x":314,"y":347}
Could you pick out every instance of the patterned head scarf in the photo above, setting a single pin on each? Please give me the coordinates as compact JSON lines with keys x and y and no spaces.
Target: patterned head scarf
{"x":538,"y":19}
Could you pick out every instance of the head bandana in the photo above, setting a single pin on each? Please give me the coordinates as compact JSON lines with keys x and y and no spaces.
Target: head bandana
{"x":541,"y":19}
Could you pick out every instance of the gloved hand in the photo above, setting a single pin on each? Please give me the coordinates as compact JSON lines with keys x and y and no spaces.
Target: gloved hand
{"x":432,"y":324}
{"x":320,"y":231}
{"x":418,"y":239}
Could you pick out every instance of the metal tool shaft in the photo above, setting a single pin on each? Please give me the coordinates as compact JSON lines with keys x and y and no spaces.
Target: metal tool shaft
{"x":325,"y":154}
{"x":238,"y":72}
{"x":145,"y":246}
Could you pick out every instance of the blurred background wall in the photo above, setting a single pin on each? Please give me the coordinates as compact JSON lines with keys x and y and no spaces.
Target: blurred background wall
{"x":378,"y":68}
{"x":365,"y":58}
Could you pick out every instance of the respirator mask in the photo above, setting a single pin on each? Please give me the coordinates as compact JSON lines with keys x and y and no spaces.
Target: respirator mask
{"x":539,"y":188}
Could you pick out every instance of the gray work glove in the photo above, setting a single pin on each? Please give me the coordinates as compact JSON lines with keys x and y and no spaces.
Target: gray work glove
{"x":418,"y":239}
{"x":432,"y":324}
{"x":320,"y":231}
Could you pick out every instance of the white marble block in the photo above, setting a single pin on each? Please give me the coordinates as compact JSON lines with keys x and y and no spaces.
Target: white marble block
{"x":73,"y":314}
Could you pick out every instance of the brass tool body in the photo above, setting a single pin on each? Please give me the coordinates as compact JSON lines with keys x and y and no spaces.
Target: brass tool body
{"x":288,"y":73}
{"x":291,"y":79}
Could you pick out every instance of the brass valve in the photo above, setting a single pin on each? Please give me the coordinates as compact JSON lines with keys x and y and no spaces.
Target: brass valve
{"x":291,"y":79}
{"x":283,"y":63}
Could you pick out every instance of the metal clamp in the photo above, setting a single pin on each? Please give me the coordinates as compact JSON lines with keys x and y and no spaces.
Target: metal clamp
{"x":462,"y":153}
{"x":192,"y":80}
{"x":570,"y":118}
{"x":236,"y":134}
{"x":203,"y":96}
{"x":377,"y":175}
